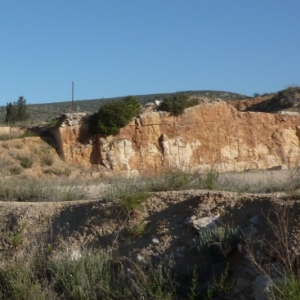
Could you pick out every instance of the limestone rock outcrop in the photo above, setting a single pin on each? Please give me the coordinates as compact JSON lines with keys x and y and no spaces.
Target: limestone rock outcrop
{"x":211,"y":135}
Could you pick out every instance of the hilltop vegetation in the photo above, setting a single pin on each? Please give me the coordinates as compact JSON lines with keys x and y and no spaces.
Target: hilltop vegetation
{"x":45,"y":112}
{"x":287,"y":99}
{"x":114,"y":115}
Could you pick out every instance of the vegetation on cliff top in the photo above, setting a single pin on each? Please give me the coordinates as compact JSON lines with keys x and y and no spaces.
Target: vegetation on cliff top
{"x":114,"y":115}
{"x":287,"y":99}
{"x":177,"y":104}
{"x":44,"y":112}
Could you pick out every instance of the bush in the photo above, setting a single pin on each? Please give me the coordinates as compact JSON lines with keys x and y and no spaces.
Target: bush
{"x":25,"y":161}
{"x":210,"y":180}
{"x":32,"y":190}
{"x":217,"y":243}
{"x":220,"y":287}
{"x":136,"y":229}
{"x":19,"y":282}
{"x":287,"y":287}
{"x":170,"y":181}
{"x":177,"y":104}
{"x":53,"y":123}
{"x":96,"y":275}
{"x":114,"y":115}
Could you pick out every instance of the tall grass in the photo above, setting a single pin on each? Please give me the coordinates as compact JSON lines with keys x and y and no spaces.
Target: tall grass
{"x":33,"y":189}
{"x":282,"y":268}
{"x":96,"y":275}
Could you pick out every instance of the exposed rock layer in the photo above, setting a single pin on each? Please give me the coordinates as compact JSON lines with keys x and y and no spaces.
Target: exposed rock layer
{"x":205,"y":136}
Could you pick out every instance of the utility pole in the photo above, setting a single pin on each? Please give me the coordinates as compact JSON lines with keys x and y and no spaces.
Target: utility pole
{"x":72,"y":96}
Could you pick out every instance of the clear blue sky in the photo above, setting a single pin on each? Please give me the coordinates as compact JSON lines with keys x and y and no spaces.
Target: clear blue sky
{"x":116,"y":47}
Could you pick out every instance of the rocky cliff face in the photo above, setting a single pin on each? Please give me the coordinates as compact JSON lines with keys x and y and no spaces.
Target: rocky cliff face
{"x":206,"y":136}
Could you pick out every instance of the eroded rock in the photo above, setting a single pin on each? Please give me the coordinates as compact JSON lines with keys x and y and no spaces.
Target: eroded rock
{"x":209,"y":134}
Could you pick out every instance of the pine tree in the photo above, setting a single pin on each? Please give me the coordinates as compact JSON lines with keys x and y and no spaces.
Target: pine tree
{"x":16,"y":112}
{"x":21,"y":109}
{"x":11,"y":113}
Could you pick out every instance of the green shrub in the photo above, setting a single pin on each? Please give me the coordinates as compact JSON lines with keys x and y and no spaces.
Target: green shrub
{"x":136,"y":229}
{"x":220,"y":287}
{"x":210,"y":180}
{"x":177,"y":104}
{"x":27,"y":133}
{"x":170,"y":181}
{"x":31,"y":189}
{"x":114,"y":115}
{"x":13,"y":238}
{"x":18,"y":282}
{"x":53,"y":123}
{"x":128,"y":194}
{"x":218,"y":242}
{"x":97,"y":276}
{"x":287,"y":287}
{"x":131,"y":200}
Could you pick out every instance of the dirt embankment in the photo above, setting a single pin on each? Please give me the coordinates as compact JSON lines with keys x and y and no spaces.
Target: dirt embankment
{"x":72,"y":227}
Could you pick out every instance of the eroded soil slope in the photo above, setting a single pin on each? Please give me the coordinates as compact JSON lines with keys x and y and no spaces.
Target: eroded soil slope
{"x":69,"y":228}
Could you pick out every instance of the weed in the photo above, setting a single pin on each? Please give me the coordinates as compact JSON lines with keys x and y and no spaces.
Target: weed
{"x":96,"y":275}
{"x":5,"y":145}
{"x":47,"y":160}
{"x":210,"y":180}
{"x":13,"y":238}
{"x":18,"y":282}
{"x":218,"y":242}
{"x":220,"y":287}
{"x":15,"y":170}
{"x":282,"y":270}
{"x":287,"y":288}
{"x":171,"y":180}
{"x":27,"y":133}
{"x":19,"y":146}
{"x":8,"y":136}
{"x":128,"y":196}
{"x":16,"y":239}
{"x":193,"y":295}
{"x":25,"y":161}
{"x":136,"y":229}
{"x":53,"y":123}
{"x":131,"y":201}
{"x":5,"y":163}
{"x":58,"y":172}
{"x":39,"y":190}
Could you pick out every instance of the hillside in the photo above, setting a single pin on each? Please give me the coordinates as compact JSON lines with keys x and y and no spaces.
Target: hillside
{"x":86,"y":232}
{"x":45,"y":112}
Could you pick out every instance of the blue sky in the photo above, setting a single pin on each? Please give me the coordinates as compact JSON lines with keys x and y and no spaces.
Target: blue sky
{"x":117,"y":47}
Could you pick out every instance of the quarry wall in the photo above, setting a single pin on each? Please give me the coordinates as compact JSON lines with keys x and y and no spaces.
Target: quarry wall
{"x":211,"y":135}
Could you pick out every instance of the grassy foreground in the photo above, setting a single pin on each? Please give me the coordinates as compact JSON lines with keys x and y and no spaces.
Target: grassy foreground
{"x":93,"y":273}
